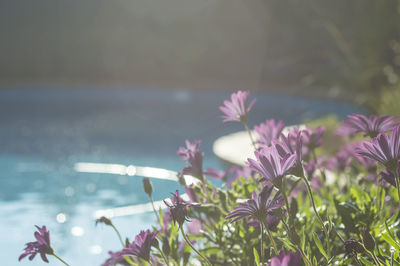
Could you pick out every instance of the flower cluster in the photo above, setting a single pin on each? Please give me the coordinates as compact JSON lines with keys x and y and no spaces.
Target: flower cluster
{"x":298,"y":202}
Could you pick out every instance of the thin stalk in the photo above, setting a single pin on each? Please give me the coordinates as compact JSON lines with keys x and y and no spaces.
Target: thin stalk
{"x":60,"y":259}
{"x":396,"y":177}
{"x":285,"y":197}
{"x":262,"y":244}
{"x":357,"y":260}
{"x":251,"y":137}
{"x":119,"y":235}
{"x":163,"y":255}
{"x":302,"y":253}
{"x":154,"y":209}
{"x":317,"y":214}
{"x":272,"y":239}
{"x":378,"y":198}
{"x":192,"y":247}
{"x":375,"y":258}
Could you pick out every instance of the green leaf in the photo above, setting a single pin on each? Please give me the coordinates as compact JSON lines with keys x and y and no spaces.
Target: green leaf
{"x":128,"y":259}
{"x":366,"y":262}
{"x":212,"y":250}
{"x":389,"y":238}
{"x":303,"y":239}
{"x":319,"y":245}
{"x":256,"y":257}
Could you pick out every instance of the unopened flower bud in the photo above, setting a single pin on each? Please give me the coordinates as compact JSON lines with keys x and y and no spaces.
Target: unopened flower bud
{"x":154,"y":243}
{"x":368,"y":240}
{"x":147,"y":186}
{"x":181,"y":179}
{"x":353,"y":247}
{"x":103,"y":220}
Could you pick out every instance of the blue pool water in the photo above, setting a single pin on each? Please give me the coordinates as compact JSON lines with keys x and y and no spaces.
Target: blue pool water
{"x":45,"y":133}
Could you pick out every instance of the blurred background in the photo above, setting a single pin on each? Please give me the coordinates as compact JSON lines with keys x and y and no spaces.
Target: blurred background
{"x":126,"y":82}
{"x":345,"y":49}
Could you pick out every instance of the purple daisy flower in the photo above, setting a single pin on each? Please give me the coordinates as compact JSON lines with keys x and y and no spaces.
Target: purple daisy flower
{"x":220,"y":175}
{"x":41,"y":245}
{"x":371,"y":126}
{"x":258,"y":207}
{"x":141,"y":246}
{"x":194,"y":156}
{"x":238,"y":108}
{"x":271,"y":166}
{"x":271,"y":222}
{"x":341,"y":160}
{"x":389,"y":176}
{"x":313,"y":138}
{"x":292,"y":145}
{"x":178,"y":208}
{"x":214,"y":173}
{"x":289,"y":259}
{"x":195,"y":167}
{"x":383,"y":149}
{"x":191,"y":147}
{"x":269,"y":131}
{"x":115,"y":258}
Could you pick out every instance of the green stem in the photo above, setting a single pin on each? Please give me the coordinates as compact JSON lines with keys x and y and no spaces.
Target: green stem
{"x":251,"y":137}
{"x":163,"y":255}
{"x":302,"y":253}
{"x":154,"y":209}
{"x":272,"y":240}
{"x":119,"y":235}
{"x":60,"y":259}
{"x":317,"y":214}
{"x":285,"y":196}
{"x":262,"y":244}
{"x":396,"y":177}
{"x":375,"y":258}
{"x":192,"y":247}
{"x":358,"y":261}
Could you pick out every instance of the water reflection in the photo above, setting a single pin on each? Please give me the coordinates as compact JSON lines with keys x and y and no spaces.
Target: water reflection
{"x":131,"y":170}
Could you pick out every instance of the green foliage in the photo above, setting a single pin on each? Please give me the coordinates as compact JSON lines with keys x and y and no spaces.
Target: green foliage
{"x":351,"y":220}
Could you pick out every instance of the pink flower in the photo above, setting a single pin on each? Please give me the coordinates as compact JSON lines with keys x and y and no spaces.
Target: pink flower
{"x":383,"y":149}
{"x":191,"y":147}
{"x":269,"y":131}
{"x":288,"y":259}
{"x":238,"y":108}
{"x":41,"y":245}
{"x":178,"y":208}
{"x":313,"y":138}
{"x":371,"y":126}
{"x":141,"y":246}
{"x":258,"y":207}
{"x":272,"y":166}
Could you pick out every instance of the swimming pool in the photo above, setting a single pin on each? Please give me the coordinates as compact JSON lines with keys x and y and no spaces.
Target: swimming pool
{"x":47,"y":133}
